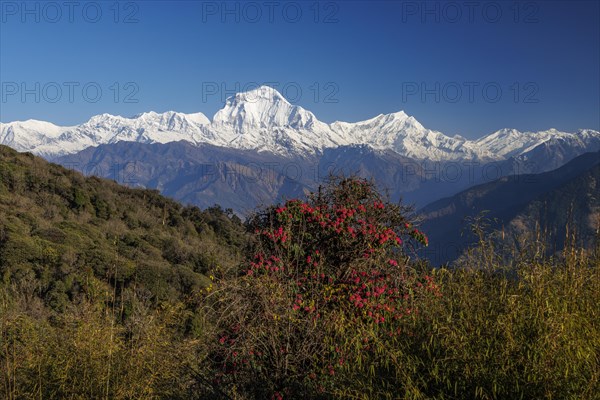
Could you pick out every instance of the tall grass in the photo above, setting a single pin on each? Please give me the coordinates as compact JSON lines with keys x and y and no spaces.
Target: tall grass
{"x":528,"y":331}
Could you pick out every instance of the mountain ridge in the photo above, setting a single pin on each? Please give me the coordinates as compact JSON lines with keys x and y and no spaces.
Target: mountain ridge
{"x":263,"y":120}
{"x":506,"y":200}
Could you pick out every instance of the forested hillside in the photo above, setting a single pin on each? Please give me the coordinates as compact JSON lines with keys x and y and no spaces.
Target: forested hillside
{"x":87,"y":265}
{"x":58,"y":226}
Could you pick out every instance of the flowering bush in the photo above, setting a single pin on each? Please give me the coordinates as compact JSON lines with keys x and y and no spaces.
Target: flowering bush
{"x":326,"y":283}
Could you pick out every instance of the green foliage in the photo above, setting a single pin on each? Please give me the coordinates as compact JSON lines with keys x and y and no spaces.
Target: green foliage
{"x":54,"y":220}
{"x":494,"y":336}
{"x":99,"y":284}
{"x":109,"y":292}
{"x":85,"y":354}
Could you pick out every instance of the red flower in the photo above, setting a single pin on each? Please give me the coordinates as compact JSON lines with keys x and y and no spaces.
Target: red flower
{"x":277,"y":396}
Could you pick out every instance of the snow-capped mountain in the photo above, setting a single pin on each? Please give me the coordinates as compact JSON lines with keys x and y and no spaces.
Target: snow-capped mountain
{"x":511,"y":143}
{"x":50,"y":141}
{"x":263,"y":120}
{"x":264,"y":107}
{"x":31,"y":135}
{"x":406,"y":136}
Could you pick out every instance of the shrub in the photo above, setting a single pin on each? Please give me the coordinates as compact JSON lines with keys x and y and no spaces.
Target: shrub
{"x":320,"y":298}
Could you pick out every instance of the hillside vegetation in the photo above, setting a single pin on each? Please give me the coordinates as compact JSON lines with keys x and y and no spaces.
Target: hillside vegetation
{"x":99,"y":281}
{"x":108,"y":292}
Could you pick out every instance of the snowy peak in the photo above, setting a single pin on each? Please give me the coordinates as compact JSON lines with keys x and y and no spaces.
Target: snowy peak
{"x":198,"y":118}
{"x":263,"y":107}
{"x":263,"y":93}
{"x":32,"y":126}
{"x":29,"y":135}
{"x":512,"y":143}
{"x":405,"y":135}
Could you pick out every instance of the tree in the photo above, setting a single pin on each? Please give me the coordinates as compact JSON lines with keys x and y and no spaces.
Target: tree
{"x":321,"y":295}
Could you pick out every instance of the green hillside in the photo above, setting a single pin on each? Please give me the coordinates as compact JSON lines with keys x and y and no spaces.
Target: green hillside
{"x":58,"y":229}
{"x":78,"y":255}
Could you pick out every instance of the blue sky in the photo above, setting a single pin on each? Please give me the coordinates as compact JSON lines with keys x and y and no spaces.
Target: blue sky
{"x":466,"y":68}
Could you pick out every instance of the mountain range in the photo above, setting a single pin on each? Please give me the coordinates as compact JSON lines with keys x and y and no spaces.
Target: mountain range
{"x":264,"y":121}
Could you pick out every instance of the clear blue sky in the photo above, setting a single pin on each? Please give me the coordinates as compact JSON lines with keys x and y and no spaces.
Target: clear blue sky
{"x":457,"y":68}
